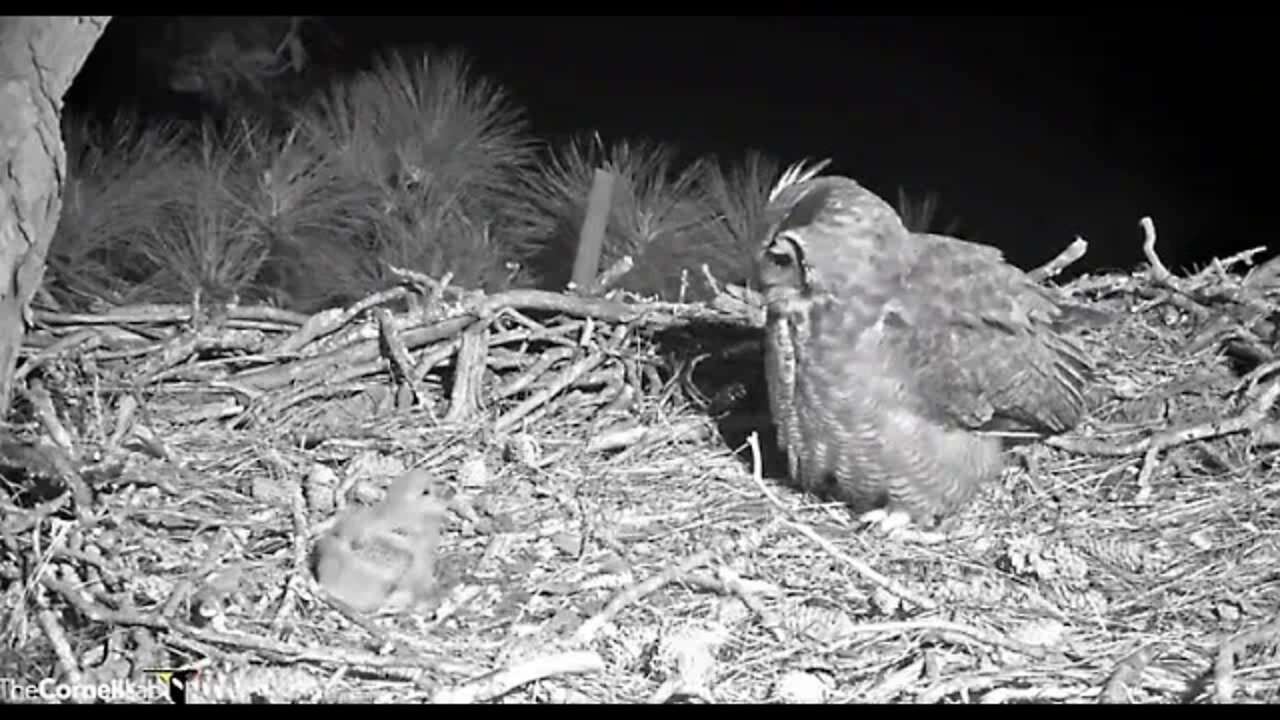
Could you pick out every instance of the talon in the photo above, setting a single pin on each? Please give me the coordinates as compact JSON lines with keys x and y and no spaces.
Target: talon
{"x":874,"y":517}
{"x":887,"y":522}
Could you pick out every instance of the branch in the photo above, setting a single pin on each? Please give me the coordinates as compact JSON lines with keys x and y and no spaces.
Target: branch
{"x":1054,"y":267}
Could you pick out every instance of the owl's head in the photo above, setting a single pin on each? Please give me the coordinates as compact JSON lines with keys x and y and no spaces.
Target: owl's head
{"x":825,"y":233}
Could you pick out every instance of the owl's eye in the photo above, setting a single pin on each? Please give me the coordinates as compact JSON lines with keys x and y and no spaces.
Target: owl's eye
{"x":782,"y":251}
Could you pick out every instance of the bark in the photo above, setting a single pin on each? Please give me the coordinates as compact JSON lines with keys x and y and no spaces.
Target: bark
{"x":39,"y":57}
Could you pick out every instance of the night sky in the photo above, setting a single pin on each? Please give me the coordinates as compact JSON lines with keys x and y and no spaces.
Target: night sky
{"x":1030,"y":130}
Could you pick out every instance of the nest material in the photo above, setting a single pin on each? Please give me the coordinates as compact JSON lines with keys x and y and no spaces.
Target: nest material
{"x":606,"y":543}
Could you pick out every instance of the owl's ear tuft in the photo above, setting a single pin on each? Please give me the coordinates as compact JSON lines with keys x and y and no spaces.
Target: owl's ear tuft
{"x":807,"y":209}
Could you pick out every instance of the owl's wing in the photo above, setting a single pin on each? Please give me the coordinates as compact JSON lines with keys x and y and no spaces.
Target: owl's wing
{"x":780,"y":369}
{"x":978,"y":335}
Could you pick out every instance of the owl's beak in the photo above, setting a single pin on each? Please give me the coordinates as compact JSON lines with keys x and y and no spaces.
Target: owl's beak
{"x":780,"y":294}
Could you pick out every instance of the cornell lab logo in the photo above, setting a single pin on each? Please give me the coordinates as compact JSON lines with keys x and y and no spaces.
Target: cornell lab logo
{"x":176,"y":681}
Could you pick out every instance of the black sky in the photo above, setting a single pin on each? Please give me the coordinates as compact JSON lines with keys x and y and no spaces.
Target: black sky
{"x":1031,"y":130}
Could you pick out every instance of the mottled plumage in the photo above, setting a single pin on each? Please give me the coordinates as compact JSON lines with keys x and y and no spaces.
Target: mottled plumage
{"x":886,"y":351}
{"x":383,"y":557}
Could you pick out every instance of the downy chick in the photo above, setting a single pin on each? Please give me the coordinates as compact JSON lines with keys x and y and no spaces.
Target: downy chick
{"x":382,"y":558}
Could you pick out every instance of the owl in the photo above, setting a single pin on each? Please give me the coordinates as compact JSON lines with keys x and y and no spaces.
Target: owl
{"x":894,"y":361}
{"x":382,"y":558}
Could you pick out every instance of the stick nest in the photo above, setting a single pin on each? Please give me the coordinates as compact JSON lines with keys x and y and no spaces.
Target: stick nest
{"x":617,"y":534}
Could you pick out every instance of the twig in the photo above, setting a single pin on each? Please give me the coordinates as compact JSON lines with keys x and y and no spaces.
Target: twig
{"x":587,"y":631}
{"x":734,"y":583}
{"x":860,"y":567}
{"x":57,"y":637}
{"x":757,"y":473}
{"x":212,"y":556}
{"x":272,"y":648}
{"x":629,"y":433}
{"x":125,"y":409}
{"x":1127,"y":673}
{"x":469,"y":373}
{"x":650,"y":315}
{"x":1003,"y":695}
{"x":301,"y":531}
{"x":43,"y":458}
{"x":82,"y":340}
{"x":531,"y":374}
{"x":1224,"y":684}
{"x":1150,"y":461}
{"x":1220,"y":267}
{"x":504,"y":681}
{"x":1062,"y":261}
{"x":397,"y":353}
{"x":566,"y":378}
{"x":365,"y":351}
{"x":1250,"y":418}
{"x":329,"y":321}
{"x":963,"y":685}
{"x":1158,"y":270}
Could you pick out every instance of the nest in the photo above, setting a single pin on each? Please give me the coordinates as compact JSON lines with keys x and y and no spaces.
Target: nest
{"x":618,"y":534}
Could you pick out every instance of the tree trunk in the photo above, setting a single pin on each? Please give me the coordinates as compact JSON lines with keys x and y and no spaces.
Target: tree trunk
{"x":39,"y":57}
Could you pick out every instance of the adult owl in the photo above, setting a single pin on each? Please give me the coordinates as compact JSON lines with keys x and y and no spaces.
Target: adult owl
{"x":890,"y":357}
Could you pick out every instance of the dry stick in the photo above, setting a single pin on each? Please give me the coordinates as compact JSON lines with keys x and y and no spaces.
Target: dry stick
{"x":126,"y":407}
{"x":1158,"y":269}
{"x":135,"y":315}
{"x":1250,"y":418}
{"x":944,"y":627}
{"x":326,"y":322}
{"x":283,"y":651}
{"x":1062,"y":261}
{"x":42,"y":402}
{"x":895,"y":682}
{"x":1179,"y":296}
{"x":587,"y":631}
{"x":535,"y":371}
{"x":337,"y":383}
{"x":397,"y":354}
{"x":622,"y":403}
{"x":301,"y":531}
{"x":45,"y":458}
{"x":81,"y":340}
{"x":858,"y":566}
{"x":964,"y":684}
{"x":57,"y":637}
{"x":733,"y":582}
{"x":629,"y":433}
{"x":469,"y":373}
{"x":504,"y":681}
{"x":1220,"y":267}
{"x":650,"y":315}
{"x":1224,"y":684}
{"x":364,"y":351}
{"x":212,"y":556}
{"x":524,"y":320}
{"x":433,"y":357}
{"x":1127,"y":673}
{"x":1008,"y":695}
{"x":561,"y":381}
{"x":438,"y":288}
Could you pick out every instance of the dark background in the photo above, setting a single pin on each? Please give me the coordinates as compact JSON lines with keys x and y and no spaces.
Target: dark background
{"x":1032,"y":130}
